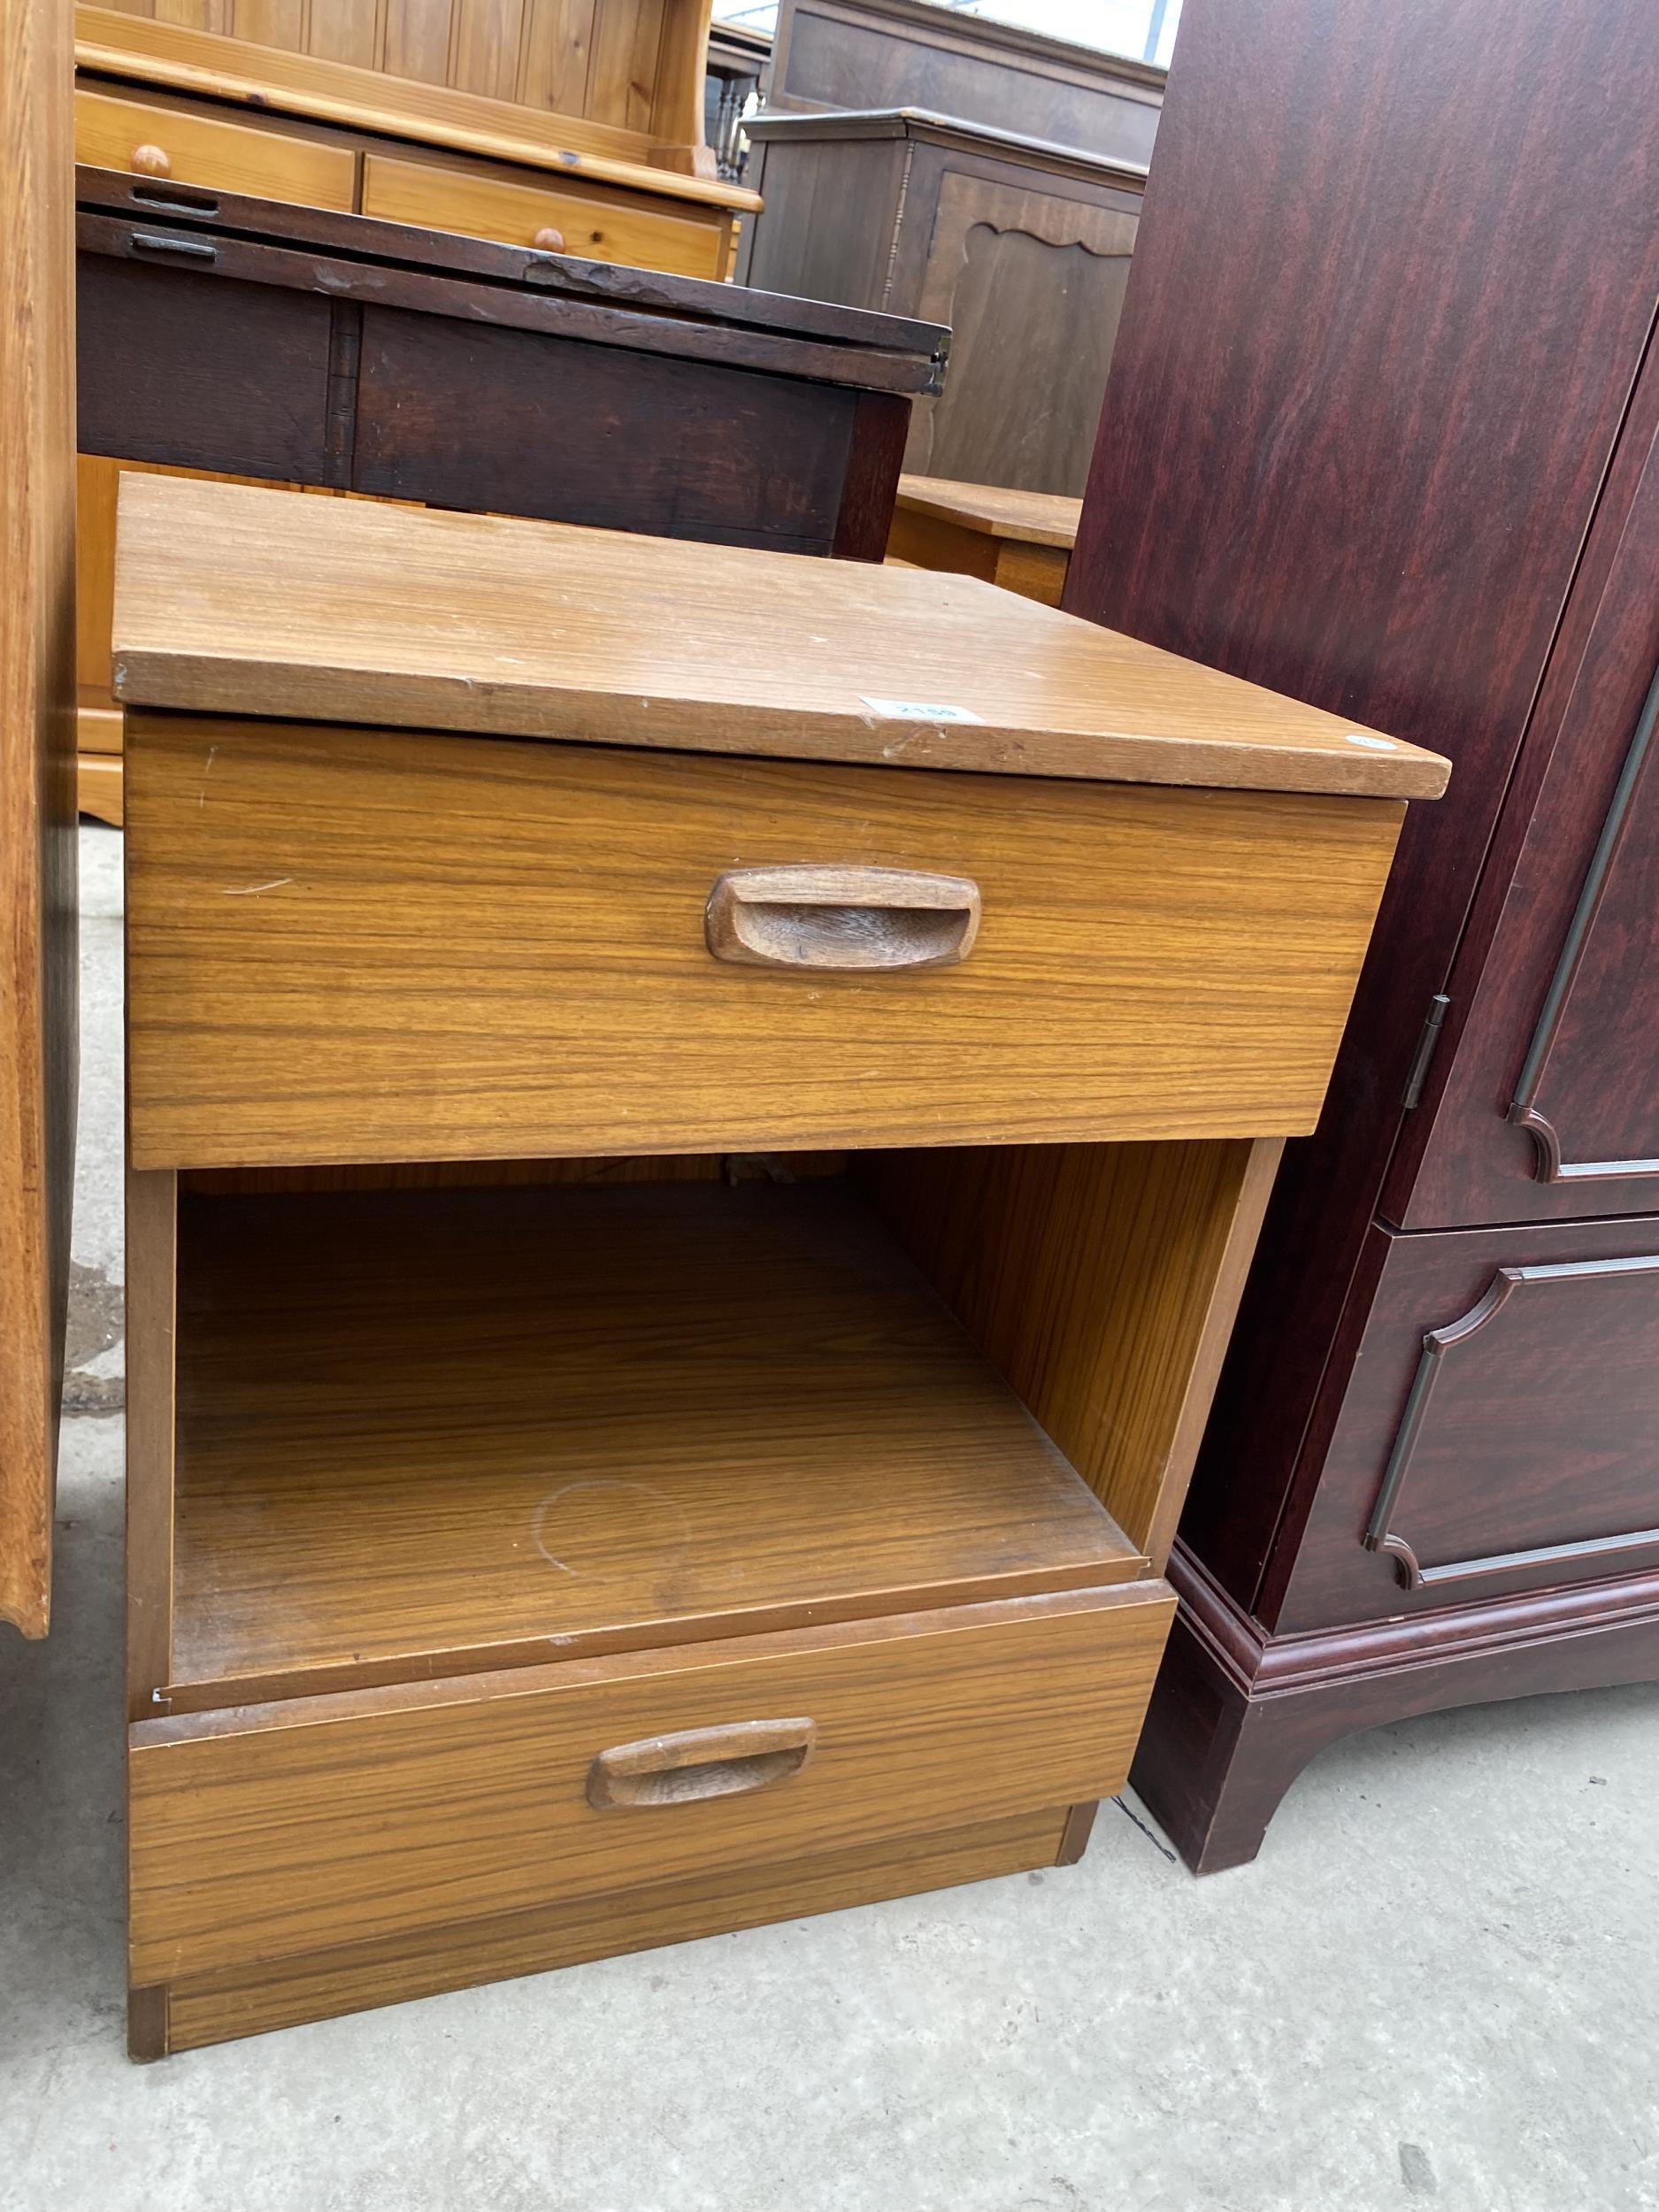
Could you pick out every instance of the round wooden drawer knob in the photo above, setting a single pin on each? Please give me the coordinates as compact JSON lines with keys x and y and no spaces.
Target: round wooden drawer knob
{"x":151,"y":161}
{"x":548,"y":240}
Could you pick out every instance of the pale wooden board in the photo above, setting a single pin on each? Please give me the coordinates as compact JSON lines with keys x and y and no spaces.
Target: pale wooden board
{"x":1034,"y":517}
{"x":622,"y":228}
{"x":37,"y":781}
{"x":237,"y":600}
{"x":183,"y":57}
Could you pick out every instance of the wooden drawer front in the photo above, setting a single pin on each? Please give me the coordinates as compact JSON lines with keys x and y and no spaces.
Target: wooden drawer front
{"x":279,"y":1828}
{"x":595,"y":228}
{"x":359,"y":945}
{"x":224,"y":157}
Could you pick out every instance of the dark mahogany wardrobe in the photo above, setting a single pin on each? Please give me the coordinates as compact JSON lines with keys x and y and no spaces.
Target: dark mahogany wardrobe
{"x":1382,"y":430}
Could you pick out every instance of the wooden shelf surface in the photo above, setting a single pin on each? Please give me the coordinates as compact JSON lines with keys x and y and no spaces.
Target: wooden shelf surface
{"x":234,"y":600}
{"x":992,"y":511}
{"x":519,"y":1424}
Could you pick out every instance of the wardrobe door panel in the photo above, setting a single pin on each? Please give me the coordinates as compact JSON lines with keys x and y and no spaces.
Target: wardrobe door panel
{"x":1501,"y":1429}
{"x":1550,"y":1105}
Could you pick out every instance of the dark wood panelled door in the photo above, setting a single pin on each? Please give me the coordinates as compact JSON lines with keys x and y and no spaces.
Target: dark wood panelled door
{"x":1550,"y":1108}
{"x":37,"y":760}
{"x":1500,"y":1433}
{"x":1007,"y":256}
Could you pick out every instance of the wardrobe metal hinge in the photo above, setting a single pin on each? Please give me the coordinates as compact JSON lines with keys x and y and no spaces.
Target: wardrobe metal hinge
{"x":1425,"y":1054}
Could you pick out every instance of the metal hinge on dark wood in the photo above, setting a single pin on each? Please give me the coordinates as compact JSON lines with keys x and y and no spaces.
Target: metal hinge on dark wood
{"x":1434,"y":1021}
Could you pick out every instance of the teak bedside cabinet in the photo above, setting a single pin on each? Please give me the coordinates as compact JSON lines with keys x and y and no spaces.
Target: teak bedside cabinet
{"x":683,"y":1217}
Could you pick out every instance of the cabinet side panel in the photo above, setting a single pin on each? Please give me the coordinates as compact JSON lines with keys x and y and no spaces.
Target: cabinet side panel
{"x":37,"y":782}
{"x":831,"y":221}
{"x":1101,"y":1279}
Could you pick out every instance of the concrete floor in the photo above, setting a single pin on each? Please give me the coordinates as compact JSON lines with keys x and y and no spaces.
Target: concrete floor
{"x":1439,"y":1983}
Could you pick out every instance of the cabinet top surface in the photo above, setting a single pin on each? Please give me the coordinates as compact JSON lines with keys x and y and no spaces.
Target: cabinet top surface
{"x":233,"y":599}
{"x":1033,"y":517}
{"x":811,"y":125}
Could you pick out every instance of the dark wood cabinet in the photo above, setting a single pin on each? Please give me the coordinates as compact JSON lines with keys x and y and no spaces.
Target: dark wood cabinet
{"x":1022,"y":248}
{"x":265,"y":339}
{"x":1409,"y":471}
{"x":914,"y":53}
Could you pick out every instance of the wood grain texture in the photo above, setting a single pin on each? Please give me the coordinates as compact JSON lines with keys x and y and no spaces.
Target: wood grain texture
{"x":485,"y":47}
{"x":98,"y":730}
{"x":1538,"y":1431}
{"x":679,"y":93}
{"x":481,"y":418}
{"x":151,"y":1250}
{"x":1007,"y":254}
{"x":622,"y":68}
{"x":1022,"y":246}
{"x":880,"y":426}
{"x":993,"y":511}
{"x":1018,"y":539}
{"x":1405,"y":558}
{"x":1466,"y":1156}
{"x":556,"y":51}
{"x":233,"y":600}
{"x":345,"y":30}
{"x":214,"y":2008}
{"x":37,"y":785}
{"x":490,"y":948}
{"x":581,"y":1420}
{"x":604,"y":228}
{"x":200,"y":150}
{"x":98,"y":485}
{"x":265,"y":1831}
{"x":1074,"y":1838}
{"x":1102,"y":1280}
{"x":651,"y":1167}
{"x":1035,"y":572}
{"x":309,"y":350}
{"x":323,"y":86}
{"x":236,"y":377}
{"x":888,"y":53}
{"x":417,"y":38}
{"x":100,"y":788}
{"x":363,"y":258}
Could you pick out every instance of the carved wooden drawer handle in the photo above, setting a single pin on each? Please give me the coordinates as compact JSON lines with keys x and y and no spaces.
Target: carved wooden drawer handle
{"x":841,"y":917}
{"x":151,"y":161}
{"x":699,"y":1762}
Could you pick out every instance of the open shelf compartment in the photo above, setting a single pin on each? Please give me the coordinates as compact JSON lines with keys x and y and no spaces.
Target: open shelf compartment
{"x":423,"y":1431}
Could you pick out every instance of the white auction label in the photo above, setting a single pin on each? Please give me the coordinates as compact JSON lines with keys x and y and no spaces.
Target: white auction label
{"x":917,"y":710}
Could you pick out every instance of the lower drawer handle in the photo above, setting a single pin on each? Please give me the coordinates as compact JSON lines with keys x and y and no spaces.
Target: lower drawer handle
{"x":697,"y":1763}
{"x":841,"y":917}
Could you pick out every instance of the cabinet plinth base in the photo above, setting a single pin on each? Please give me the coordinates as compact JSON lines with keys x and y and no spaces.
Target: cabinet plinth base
{"x":1236,"y":1714}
